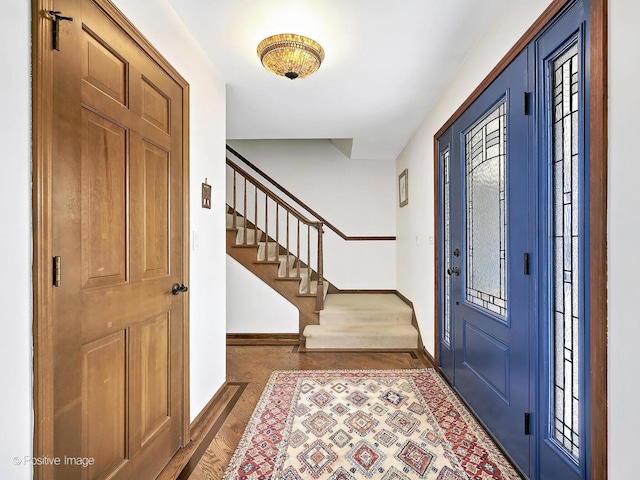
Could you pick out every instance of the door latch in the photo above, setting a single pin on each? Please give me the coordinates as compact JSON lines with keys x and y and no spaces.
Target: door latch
{"x":55,"y":27}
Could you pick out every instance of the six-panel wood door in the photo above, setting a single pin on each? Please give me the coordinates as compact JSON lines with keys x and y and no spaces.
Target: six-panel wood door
{"x":117,"y":227}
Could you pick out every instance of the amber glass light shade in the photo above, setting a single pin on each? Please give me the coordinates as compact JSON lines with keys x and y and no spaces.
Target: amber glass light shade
{"x":290,"y":55}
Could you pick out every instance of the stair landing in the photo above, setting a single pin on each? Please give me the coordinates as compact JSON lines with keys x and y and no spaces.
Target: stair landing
{"x":363,"y":321}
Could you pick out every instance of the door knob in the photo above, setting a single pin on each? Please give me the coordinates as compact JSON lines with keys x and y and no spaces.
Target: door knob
{"x":177,"y":288}
{"x":453,"y":271}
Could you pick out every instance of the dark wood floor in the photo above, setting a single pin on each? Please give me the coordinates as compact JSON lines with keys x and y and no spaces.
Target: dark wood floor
{"x":248,"y":369}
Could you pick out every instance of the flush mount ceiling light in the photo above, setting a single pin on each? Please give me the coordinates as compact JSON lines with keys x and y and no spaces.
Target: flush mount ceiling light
{"x":289,"y":55}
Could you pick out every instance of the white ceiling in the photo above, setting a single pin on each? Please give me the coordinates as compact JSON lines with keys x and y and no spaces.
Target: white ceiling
{"x":386,"y":63}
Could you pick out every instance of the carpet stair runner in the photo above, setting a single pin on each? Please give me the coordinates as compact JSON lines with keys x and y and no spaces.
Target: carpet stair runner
{"x":349,"y":321}
{"x":363,"y":321}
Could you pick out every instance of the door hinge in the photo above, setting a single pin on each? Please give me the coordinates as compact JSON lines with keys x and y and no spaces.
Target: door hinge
{"x":526,"y":103}
{"x":526,"y":264}
{"x":57,"y":266}
{"x":527,"y":422}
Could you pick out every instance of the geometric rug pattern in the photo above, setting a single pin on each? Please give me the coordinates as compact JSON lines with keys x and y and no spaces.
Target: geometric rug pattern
{"x":364,"y":424}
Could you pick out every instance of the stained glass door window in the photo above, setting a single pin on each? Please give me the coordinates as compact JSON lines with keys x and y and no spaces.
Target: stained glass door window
{"x":485,"y":159}
{"x":565,"y":173}
{"x":446,"y":324}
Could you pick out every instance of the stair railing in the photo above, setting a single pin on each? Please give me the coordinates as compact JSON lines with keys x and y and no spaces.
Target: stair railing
{"x":305,"y":207}
{"x":269,"y":219}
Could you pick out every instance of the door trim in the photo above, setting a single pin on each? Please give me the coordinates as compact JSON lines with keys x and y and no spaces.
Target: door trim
{"x":42,"y":210}
{"x":598,"y":147}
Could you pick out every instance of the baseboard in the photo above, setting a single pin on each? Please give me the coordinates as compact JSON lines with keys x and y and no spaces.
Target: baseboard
{"x":203,"y":429}
{"x":199,"y":424}
{"x":403,"y":298}
{"x":249,"y":339}
{"x":414,"y":319}
{"x":429,"y":357}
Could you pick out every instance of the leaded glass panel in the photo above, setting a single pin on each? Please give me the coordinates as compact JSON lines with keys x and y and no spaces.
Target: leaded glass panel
{"x":446,"y":334}
{"x":486,"y":216}
{"x":566,"y":249}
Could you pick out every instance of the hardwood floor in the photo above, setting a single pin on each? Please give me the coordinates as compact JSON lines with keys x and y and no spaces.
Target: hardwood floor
{"x":248,"y":369}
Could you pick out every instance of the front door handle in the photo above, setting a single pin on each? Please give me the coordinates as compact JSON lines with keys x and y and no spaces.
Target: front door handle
{"x":177,"y":288}
{"x":453,"y":271}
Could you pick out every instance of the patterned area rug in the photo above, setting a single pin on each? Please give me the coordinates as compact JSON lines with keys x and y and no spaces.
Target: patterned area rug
{"x":364,"y":424}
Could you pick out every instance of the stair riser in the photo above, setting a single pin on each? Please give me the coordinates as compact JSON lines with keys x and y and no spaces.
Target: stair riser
{"x":272,"y":255}
{"x":293,"y":270}
{"x":363,"y":342}
{"x":364,"y":318}
{"x":251,"y":236}
{"x":239,"y":221}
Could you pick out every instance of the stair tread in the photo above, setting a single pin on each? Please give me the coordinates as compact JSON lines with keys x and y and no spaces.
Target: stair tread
{"x":363,"y":319}
{"x":366,"y":302}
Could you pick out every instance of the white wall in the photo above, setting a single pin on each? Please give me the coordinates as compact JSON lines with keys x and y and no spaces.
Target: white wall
{"x":207,"y":284}
{"x":156,"y":20}
{"x":16,"y":406}
{"x":415,"y":228}
{"x":357,"y":196}
{"x":254,"y":307}
{"x":624,"y":236}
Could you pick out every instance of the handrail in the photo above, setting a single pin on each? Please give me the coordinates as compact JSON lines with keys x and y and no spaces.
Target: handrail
{"x":272,"y":195}
{"x":303,"y":205}
{"x":246,"y":180}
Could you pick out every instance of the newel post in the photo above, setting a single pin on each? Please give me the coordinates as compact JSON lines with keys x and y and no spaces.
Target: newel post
{"x":320,"y":290}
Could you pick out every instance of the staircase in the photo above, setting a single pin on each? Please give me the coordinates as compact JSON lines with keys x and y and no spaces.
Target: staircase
{"x":288,"y":256}
{"x":269,"y":261}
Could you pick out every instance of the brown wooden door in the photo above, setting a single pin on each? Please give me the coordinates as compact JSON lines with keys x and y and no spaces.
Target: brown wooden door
{"x":117,"y":226}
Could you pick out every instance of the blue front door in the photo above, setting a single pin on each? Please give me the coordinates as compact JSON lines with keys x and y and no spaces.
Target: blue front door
{"x":488,"y":237}
{"x":513,"y":274}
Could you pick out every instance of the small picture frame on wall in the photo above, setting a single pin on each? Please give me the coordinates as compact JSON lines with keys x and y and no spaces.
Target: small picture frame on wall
{"x":403,"y":187}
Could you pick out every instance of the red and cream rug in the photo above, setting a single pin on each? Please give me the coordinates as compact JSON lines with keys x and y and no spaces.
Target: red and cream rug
{"x":364,"y":424}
